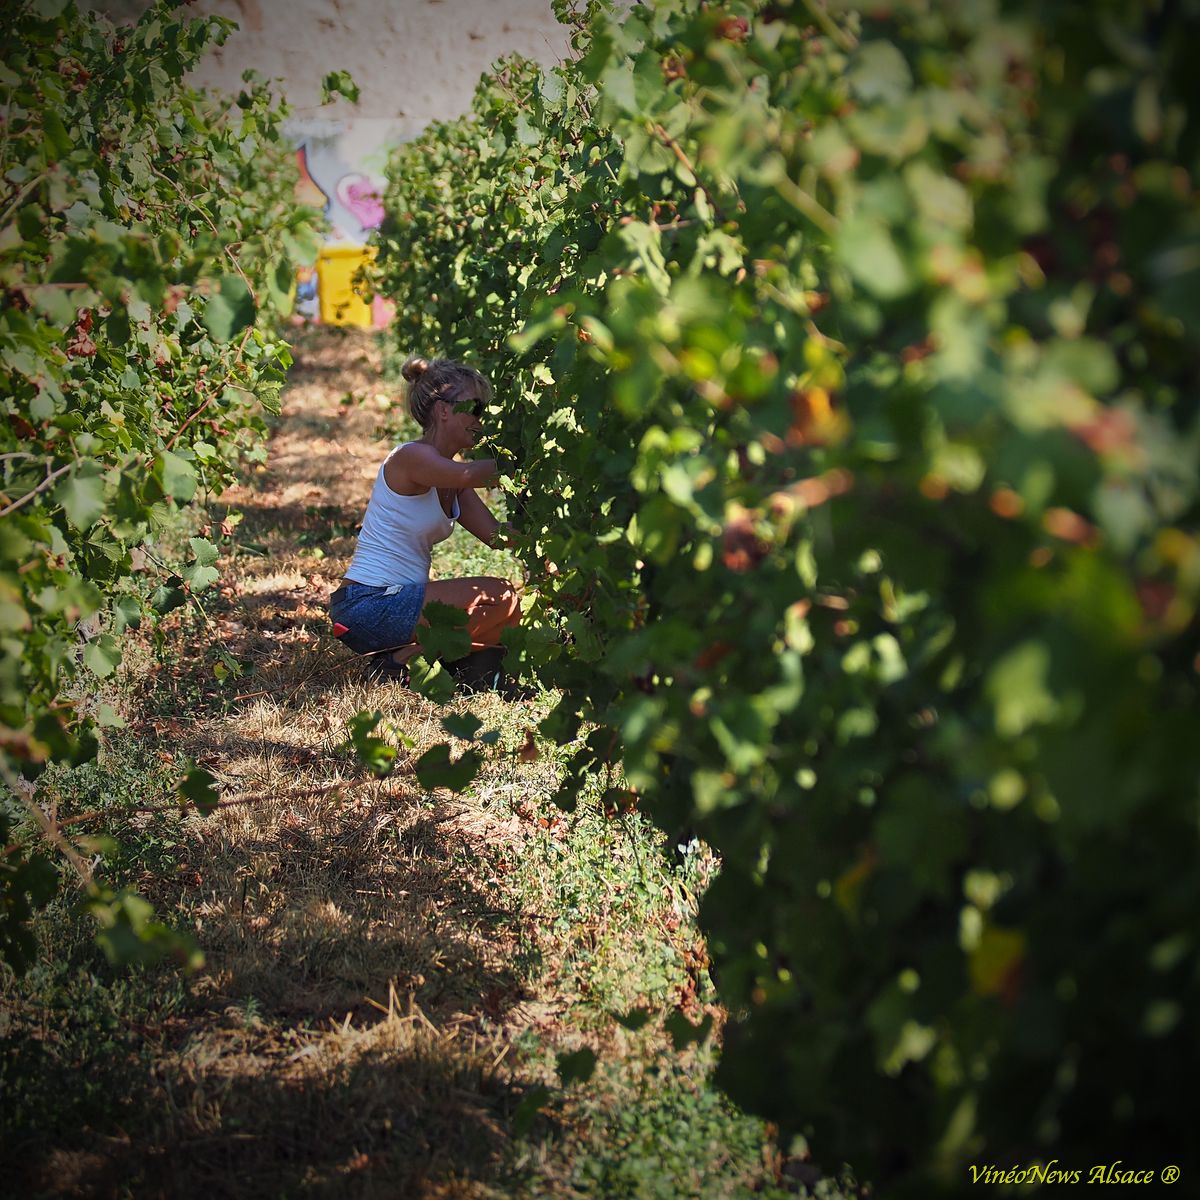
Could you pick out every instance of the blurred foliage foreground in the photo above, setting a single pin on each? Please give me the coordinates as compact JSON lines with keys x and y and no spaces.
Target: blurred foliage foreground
{"x":847,"y":365}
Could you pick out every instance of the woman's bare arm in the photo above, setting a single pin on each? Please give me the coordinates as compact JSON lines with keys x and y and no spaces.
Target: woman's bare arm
{"x":419,"y":466}
{"x":475,"y":517}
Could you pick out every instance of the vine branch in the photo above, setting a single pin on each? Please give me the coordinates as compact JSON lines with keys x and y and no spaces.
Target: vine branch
{"x":37,"y":491}
{"x":20,"y":196}
{"x":228,"y":248}
{"x":50,"y":829}
{"x":816,"y":212}
{"x":212,"y":395}
{"x":679,"y":152}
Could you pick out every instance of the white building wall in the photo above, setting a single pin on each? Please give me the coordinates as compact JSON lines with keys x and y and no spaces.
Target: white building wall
{"x":414,"y":61}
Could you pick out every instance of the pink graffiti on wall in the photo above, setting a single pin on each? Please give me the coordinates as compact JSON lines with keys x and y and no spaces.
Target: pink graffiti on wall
{"x":359,"y":195}
{"x":363,"y":196}
{"x":354,"y":194}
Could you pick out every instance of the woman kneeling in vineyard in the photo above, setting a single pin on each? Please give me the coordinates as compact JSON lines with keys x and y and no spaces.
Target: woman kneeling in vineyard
{"x":420,"y":492}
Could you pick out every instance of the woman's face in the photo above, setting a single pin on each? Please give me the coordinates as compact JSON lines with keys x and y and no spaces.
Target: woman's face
{"x":463,"y":420}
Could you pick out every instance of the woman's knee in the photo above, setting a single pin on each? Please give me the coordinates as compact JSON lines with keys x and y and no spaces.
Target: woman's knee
{"x":498,"y":605}
{"x":507,"y":599}
{"x":497,"y":593}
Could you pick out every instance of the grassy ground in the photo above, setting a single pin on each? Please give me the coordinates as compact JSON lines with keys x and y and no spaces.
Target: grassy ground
{"x":391,"y":977}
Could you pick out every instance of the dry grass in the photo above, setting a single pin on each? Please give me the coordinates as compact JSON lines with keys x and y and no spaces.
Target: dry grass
{"x":358,"y":975}
{"x":387,"y":971}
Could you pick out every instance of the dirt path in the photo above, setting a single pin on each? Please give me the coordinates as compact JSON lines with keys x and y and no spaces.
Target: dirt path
{"x":360,"y":987}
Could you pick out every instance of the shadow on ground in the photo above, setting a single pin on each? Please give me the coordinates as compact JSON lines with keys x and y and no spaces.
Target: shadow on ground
{"x":404,"y":1116}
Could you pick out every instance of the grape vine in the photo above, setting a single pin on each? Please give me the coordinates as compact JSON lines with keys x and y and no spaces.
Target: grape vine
{"x":847,"y":363}
{"x":148,"y":236}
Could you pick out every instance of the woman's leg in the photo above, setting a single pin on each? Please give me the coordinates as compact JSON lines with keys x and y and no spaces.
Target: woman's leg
{"x":491,"y":606}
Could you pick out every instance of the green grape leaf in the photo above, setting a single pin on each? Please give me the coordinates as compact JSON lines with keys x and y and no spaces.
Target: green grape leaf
{"x":176,"y":475}
{"x":102,"y":655}
{"x":269,"y":397}
{"x":200,"y":577}
{"x":577,"y":1066}
{"x":229,"y":309}
{"x":58,"y":140}
{"x":128,"y":933}
{"x":204,"y":551}
{"x":869,"y":252}
{"x":200,"y":787}
{"x":81,"y":494}
{"x":435,"y":768}
{"x":49,"y":10}
{"x":373,"y":752}
{"x":446,"y":637}
{"x":14,"y":617}
{"x":430,"y":680}
{"x":166,"y":598}
{"x":127,"y":613}
{"x":339,"y":83}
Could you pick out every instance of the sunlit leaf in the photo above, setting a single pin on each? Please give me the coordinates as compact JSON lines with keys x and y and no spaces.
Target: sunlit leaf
{"x":102,"y":655}
{"x":81,"y":494}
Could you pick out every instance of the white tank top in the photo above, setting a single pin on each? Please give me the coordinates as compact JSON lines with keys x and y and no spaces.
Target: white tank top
{"x":398,"y":534}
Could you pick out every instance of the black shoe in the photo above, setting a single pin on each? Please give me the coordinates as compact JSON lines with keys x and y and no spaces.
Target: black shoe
{"x":382,"y":667}
{"x":510,"y":689}
{"x":482,"y":671}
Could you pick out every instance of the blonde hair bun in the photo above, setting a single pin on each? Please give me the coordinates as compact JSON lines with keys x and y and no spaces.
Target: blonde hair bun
{"x":431,"y":380}
{"x":414,"y":368}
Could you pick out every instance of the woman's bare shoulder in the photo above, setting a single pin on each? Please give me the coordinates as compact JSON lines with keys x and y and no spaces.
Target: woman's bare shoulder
{"x":403,"y":468}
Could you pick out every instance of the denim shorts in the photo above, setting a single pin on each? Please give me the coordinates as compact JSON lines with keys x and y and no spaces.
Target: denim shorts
{"x":376,"y":618}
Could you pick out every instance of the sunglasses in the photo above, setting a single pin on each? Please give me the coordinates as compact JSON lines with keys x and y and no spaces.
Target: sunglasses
{"x":476,"y":409}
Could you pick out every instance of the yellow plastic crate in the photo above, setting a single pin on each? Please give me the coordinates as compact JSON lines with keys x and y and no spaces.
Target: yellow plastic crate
{"x":342,"y":303}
